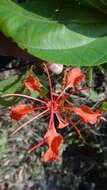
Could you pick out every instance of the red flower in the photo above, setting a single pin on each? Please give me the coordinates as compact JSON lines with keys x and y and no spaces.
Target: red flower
{"x":54,"y":106}
{"x":18,"y":112}
{"x":87,"y":115}
{"x":32,"y":83}
{"x":74,"y":78}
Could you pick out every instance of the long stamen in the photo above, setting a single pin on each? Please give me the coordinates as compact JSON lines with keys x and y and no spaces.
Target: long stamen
{"x":36,"y":146}
{"x":51,"y":122}
{"x":25,"y":96}
{"x":43,"y":95}
{"x":61,"y":94}
{"x":26,"y":123}
{"x":71,"y":123}
{"x":39,"y":107}
{"x":28,"y":109}
{"x":35,"y":108}
{"x":76,"y":91}
{"x":65,"y":107}
{"x":50,"y":84}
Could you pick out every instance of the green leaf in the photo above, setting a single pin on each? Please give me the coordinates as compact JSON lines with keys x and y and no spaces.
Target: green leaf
{"x":57,"y":31}
{"x":105,"y":67}
{"x":101,"y":5}
{"x":5,"y":83}
{"x":11,"y":86}
{"x":103,"y":107}
{"x":93,"y":95}
{"x":3,"y":139}
{"x":35,"y":94}
{"x":94,"y":145}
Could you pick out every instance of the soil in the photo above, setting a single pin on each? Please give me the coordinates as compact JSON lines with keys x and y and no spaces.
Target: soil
{"x":82,"y":164}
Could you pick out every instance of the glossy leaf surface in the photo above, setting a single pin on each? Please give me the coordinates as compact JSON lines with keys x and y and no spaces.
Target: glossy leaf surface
{"x":57,"y":31}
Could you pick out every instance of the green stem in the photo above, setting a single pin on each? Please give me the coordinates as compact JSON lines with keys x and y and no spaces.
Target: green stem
{"x":90,"y":76}
{"x":100,"y":68}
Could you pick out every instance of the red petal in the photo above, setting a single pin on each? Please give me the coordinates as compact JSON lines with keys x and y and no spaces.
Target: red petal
{"x":32,"y":83}
{"x":54,"y":140}
{"x":99,"y":112}
{"x":74,"y":78}
{"x":52,"y":153}
{"x":62,"y":123}
{"x":87,"y":115}
{"x":19,"y":112}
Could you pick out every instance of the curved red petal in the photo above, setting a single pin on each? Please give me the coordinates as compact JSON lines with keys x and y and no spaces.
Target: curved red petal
{"x":54,"y":140}
{"x":32,"y":83}
{"x":62,"y":123}
{"x":57,"y":140}
{"x":52,"y":153}
{"x":87,"y":115}
{"x":19,"y":112}
{"x":74,"y":78}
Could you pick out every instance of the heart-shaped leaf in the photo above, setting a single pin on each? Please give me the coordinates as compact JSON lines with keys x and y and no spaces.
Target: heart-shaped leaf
{"x":57,"y":31}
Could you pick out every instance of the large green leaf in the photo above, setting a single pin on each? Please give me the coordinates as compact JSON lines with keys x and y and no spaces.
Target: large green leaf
{"x":56,"y":30}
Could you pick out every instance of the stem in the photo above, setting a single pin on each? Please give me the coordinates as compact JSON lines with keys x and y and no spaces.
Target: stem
{"x":100,"y":68}
{"x":65,"y":97}
{"x":90,"y":76}
{"x":50,"y":84}
{"x":25,"y":96}
{"x":26,"y":123}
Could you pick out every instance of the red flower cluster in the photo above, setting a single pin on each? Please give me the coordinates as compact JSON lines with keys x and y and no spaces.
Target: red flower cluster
{"x":54,"y":106}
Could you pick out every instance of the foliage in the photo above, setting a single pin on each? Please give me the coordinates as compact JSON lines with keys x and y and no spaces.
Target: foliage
{"x":101,"y":5}
{"x":67,"y":32}
{"x":13,"y":84}
{"x":3,"y":139}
